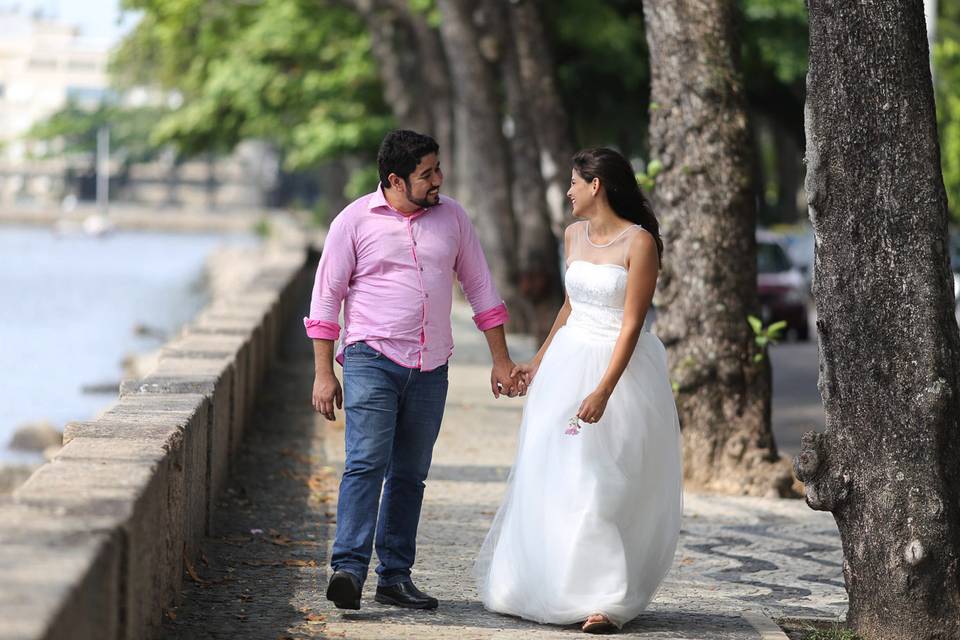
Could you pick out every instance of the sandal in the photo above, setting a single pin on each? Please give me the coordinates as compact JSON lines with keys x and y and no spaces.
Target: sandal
{"x":603,"y":625}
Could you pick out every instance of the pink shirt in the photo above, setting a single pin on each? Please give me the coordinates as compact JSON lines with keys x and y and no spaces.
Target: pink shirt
{"x":394,"y":274}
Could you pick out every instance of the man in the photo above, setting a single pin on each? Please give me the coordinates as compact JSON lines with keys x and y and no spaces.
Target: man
{"x":390,"y":257}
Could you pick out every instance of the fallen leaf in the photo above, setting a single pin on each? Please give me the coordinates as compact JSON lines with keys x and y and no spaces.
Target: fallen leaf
{"x":281,"y":563}
{"x":300,"y":563}
{"x":191,"y":571}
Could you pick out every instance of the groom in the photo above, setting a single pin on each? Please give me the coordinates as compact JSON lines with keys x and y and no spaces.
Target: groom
{"x":390,"y":257}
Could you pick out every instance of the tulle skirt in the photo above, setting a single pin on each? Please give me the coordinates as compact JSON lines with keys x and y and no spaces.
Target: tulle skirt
{"x":589,"y":523}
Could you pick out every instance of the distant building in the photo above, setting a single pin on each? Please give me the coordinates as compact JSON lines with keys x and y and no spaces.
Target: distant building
{"x":46,"y":63}
{"x":43,"y":64}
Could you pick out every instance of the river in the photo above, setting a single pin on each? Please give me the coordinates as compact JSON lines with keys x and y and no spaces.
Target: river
{"x":69,"y":306}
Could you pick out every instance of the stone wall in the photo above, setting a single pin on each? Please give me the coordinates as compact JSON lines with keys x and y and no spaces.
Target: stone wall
{"x":93,"y":545}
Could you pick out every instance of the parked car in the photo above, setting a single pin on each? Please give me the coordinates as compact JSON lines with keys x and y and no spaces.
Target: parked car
{"x":782,"y":287}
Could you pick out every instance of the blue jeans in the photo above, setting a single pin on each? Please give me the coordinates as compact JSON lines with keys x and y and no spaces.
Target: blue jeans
{"x":393,"y":418}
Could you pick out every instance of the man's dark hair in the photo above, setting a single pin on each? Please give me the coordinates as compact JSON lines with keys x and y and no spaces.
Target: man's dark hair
{"x":400,"y":153}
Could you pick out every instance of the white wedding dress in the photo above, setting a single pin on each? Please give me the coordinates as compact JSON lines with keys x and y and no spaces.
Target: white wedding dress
{"x":590,"y":519}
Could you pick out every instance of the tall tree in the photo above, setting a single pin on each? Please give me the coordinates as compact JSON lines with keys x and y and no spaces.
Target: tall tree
{"x":548,"y":121}
{"x":413,"y":69}
{"x":482,"y":157}
{"x":538,"y":265}
{"x":699,"y":131}
{"x":296,"y":73}
{"x":887,"y":464}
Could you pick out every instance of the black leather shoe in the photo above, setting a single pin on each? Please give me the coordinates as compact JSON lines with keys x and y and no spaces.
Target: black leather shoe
{"x":344,"y":590}
{"x":405,"y":595}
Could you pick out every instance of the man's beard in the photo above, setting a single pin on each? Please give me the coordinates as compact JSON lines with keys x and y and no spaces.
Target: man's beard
{"x":424,"y":202}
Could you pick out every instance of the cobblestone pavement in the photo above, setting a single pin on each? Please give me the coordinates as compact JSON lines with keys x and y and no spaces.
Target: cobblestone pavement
{"x":737,"y":557}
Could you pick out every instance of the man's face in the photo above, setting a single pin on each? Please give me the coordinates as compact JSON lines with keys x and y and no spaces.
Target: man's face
{"x":423,"y":186}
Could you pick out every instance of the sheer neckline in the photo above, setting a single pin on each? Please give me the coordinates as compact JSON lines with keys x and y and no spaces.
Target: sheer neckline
{"x":606,"y":244}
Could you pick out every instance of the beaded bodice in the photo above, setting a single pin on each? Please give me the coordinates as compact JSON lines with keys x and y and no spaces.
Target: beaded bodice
{"x":596,"y":282}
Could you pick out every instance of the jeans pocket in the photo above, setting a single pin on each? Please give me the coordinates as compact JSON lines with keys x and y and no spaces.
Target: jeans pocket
{"x":361,"y":351}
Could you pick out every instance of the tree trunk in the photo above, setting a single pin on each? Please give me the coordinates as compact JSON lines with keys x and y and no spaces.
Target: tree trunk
{"x":390,"y":41}
{"x":538,"y":249}
{"x":413,"y":69}
{"x":548,"y":117}
{"x":708,"y":285}
{"x":481,"y":159}
{"x":887,"y":464}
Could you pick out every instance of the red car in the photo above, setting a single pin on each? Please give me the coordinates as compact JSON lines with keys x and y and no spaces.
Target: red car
{"x":782,"y":287}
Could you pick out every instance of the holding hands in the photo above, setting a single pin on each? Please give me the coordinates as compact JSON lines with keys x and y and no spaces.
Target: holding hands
{"x":526,"y":371}
{"x":503,"y":381}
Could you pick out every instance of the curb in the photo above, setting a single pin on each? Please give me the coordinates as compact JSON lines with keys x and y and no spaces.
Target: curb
{"x":767,"y":628}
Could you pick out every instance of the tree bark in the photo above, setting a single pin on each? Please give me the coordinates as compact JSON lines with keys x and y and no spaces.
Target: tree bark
{"x":549,"y":120}
{"x":413,"y":70}
{"x":699,"y":131}
{"x":481,"y":160}
{"x":887,"y":464}
{"x":538,"y":249}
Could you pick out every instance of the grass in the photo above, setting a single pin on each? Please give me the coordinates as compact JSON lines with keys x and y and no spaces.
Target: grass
{"x":816,"y":630}
{"x":836,"y":633}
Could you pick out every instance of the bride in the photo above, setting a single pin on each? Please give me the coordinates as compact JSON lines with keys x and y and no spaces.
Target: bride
{"x":589,"y":524}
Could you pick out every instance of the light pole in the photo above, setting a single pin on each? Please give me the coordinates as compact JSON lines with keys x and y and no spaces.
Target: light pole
{"x":103,"y":169}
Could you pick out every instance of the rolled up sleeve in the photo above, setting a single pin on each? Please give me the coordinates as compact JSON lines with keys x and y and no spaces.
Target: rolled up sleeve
{"x":476,"y":280}
{"x":337,"y":262}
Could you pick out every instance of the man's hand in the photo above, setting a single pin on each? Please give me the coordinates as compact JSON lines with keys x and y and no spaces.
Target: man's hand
{"x":502,"y":382}
{"x":326,"y":391}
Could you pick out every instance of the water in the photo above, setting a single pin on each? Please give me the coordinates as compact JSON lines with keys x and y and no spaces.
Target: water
{"x":68,"y":307}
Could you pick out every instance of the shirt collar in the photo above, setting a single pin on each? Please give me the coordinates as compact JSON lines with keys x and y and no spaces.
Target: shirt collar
{"x":378,"y":203}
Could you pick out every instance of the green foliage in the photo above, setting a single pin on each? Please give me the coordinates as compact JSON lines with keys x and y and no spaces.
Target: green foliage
{"x":602,"y":67}
{"x":362,"y":180}
{"x":77,"y":127}
{"x":262,"y":228}
{"x":648,"y":177}
{"x":765,"y":336}
{"x":427,"y":8}
{"x":320,"y":213}
{"x":774,"y":41}
{"x":946,"y":63}
{"x":297,"y":73}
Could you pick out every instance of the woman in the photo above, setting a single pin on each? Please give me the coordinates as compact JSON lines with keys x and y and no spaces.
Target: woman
{"x":589,"y":524}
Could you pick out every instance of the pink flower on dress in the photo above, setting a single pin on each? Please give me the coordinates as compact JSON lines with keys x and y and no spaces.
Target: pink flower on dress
{"x":573,"y":427}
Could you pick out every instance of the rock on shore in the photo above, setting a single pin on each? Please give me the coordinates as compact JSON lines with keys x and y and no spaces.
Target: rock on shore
{"x":36,"y":436}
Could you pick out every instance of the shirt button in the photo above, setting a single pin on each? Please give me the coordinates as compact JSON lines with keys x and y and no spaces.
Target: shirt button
{"x":421,"y":268}
{"x":426,"y":295}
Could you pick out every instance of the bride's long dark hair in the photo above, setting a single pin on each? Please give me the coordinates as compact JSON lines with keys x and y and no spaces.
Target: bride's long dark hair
{"x":624,"y":194}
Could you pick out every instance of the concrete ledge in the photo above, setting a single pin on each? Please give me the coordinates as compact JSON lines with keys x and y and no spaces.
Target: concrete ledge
{"x":92,"y":545}
{"x":69,"y":570}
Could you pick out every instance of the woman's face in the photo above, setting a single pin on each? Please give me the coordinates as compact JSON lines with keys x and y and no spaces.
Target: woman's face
{"x":582,"y":193}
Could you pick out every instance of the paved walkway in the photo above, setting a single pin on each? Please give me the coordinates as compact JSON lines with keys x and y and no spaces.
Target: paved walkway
{"x":740,"y":561}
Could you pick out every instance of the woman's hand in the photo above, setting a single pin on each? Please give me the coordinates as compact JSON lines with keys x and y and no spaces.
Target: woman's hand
{"x":593,"y":406}
{"x":526,"y":371}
